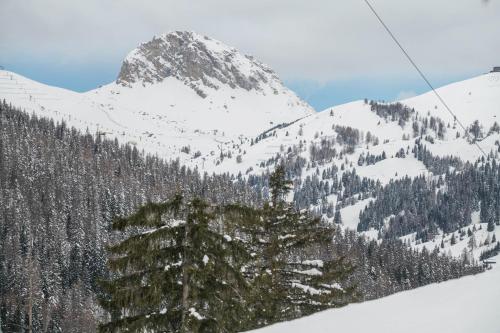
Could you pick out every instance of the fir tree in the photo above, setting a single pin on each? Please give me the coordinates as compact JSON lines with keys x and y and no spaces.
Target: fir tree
{"x":453,"y":240}
{"x":337,"y":218}
{"x":292,"y":278}
{"x":178,"y":275}
{"x":491,"y":225}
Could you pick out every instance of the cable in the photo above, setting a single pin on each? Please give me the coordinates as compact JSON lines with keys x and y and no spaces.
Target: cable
{"x":422,"y":74}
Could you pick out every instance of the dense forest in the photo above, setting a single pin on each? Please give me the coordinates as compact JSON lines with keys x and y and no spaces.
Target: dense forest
{"x":445,"y":201}
{"x":61,"y":190}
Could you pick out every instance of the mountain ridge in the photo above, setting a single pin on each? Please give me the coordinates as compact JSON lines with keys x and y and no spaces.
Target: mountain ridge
{"x":197,"y":60}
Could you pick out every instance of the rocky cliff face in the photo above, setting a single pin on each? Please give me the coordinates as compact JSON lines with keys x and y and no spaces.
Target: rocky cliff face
{"x":198,"y":61}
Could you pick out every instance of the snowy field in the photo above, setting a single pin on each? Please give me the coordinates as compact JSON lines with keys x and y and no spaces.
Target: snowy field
{"x":467,"y":305}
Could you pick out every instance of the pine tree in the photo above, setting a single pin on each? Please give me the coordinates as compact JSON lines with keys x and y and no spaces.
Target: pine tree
{"x":292,"y":276}
{"x":337,"y":218}
{"x":453,"y":240}
{"x":178,"y":275}
{"x":491,"y":225}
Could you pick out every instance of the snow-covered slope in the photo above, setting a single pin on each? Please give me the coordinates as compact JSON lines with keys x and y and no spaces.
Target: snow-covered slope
{"x":482,"y":104}
{"x":465,"y":305}
{"x":477,"y":98}
{"x":178,"y":90}
{"x":190,"y":97}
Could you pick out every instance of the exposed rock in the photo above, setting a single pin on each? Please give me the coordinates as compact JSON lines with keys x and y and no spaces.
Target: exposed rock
{"x":198,"y":61}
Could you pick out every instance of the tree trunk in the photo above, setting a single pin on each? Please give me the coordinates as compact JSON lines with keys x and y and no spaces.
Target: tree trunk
{"x":30,"y":297}
{"x":185,"y":278}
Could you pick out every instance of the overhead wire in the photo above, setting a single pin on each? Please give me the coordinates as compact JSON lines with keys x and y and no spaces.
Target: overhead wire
{"x":420,"y":72}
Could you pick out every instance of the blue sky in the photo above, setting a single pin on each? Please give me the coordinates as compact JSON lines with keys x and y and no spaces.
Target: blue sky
{"x":328,"y":52}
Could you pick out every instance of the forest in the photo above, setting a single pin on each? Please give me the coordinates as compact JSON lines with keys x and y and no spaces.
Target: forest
{"x":69,"y":199}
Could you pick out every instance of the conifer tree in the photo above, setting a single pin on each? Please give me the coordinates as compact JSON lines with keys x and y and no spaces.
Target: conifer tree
{"x":178,"y":274}
{"x":453,"y":240}
{"x":294,"y":275}
{"x":491,"y":225}
{"x":337,"y":218}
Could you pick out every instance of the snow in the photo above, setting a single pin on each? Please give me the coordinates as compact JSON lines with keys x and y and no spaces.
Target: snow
{"x":205,"y":259}
{"x":310,"y":272}
{"x":476,"y":98}
{"x":457,"y":250}
{"x":194,"y":313}
{"x":308,"y":289}
{"x":350,"y":214}
{"x":393,"y":168}
{"x":316,"y":263}
{"x":468,"y":304}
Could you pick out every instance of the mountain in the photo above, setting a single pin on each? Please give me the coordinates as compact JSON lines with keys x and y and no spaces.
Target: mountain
{"x":187,"y":96}
{"x":391,"y":171}
{"x":474,"y":99}
{"x":179,"y":91}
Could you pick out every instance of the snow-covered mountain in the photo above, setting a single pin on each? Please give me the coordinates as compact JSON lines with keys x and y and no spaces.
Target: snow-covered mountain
{"x":187,"y":96}
{"x":179,"y":91}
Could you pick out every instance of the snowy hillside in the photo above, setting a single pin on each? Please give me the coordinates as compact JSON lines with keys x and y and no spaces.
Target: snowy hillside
{"x":183,"y":95}
{"x":475,"y":98}
{"x":469,"y":304}
{"x":179,"y":95}
{"x":482,"y":104}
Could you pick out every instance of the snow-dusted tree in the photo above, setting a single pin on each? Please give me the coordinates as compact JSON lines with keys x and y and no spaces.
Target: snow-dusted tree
{"x":475,"y":130}
{"x":337,"y":218}
{"x":295,"y":273}
{"x":179,"y":273}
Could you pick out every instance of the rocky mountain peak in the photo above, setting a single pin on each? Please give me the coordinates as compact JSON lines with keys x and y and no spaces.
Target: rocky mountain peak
{"x":198,"y":61}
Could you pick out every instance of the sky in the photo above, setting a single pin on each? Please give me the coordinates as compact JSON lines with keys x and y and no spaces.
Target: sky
{"x":328,"y":51}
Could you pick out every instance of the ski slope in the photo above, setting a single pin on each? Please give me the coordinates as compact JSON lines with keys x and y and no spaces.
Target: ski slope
{"x":465,"y":305}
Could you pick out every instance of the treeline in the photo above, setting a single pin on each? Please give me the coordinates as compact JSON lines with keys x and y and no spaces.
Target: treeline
{"x":392,"y":112}
{"x":390,"y":266}
{"x":403,"y":114}
{"x":315,"y":189}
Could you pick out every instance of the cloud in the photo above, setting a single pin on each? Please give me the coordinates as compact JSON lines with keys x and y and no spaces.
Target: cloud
{"x":318,"y":40}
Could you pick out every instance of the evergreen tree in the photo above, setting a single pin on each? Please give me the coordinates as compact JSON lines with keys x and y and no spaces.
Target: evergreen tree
{"x":337,"y":218}
{"x":491,"y":225}
{"x":179,"y":274}
{"x":293,"y":276}
{"x":453,"y":240}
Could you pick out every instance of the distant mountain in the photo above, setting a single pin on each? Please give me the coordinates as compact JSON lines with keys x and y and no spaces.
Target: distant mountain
{"x":178,"y":95}
{"x":198,"y":61}
{"x":187,"y":96}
